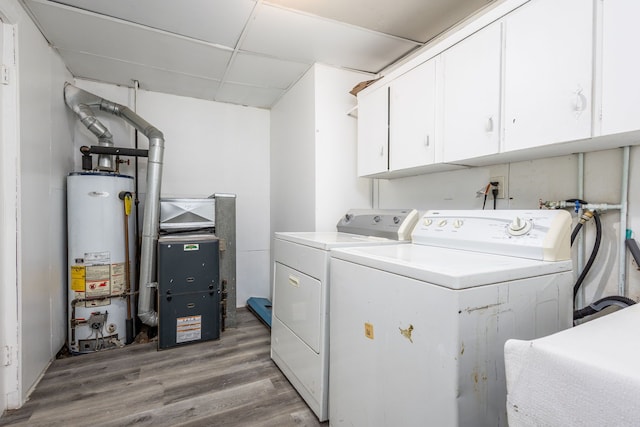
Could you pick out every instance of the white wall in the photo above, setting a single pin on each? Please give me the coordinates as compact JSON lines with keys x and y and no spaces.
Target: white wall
{"x":313,"y":153}
{"x":293,"y":172}
{"x":43,"y":160}
{"x":337,"y":186}
{"x":527,"y":183}
{"x":210,"y":147}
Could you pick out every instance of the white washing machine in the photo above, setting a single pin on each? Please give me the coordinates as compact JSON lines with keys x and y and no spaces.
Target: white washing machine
{"x":300,"y":322}
{"x":418,"y":331}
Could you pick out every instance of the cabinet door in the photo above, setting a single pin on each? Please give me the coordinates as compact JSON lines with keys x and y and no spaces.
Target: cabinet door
{"x":471,"y":107}
{"x":373,"y":132}
{"x":620,"y":67}
{"x":548,"y":73}
{"x":412,"y":118}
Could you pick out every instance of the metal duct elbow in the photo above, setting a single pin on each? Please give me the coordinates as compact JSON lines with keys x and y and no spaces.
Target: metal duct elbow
{"x":81,"y":102}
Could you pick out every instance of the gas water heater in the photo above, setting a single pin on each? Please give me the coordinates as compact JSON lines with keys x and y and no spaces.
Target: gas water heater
{"x":99,"y":246}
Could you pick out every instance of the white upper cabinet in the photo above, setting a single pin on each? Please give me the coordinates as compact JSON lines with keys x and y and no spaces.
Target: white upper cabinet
{"x":412,"y":110}
{"x":620,"y":66}
{"x":373,"y":132}
{"x":530,"y":79}
{"x":471,"y":106}
{"x":548,"y":73}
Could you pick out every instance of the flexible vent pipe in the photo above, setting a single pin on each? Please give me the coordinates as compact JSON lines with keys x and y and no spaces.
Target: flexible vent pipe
{"x":82,"y":102}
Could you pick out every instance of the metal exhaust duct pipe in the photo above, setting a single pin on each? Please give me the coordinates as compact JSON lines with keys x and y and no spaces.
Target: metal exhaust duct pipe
{"x":81,"y":102}
{"x":105,"y":139}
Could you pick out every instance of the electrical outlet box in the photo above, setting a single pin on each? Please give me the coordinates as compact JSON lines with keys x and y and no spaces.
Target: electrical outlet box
{"x":502,"y":186}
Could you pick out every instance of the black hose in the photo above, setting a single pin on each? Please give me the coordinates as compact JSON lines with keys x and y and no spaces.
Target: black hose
{"x":602,"y":304}
{"x":579,"y":225}
{"x":592,"y":257}
{"x":575,"y":232}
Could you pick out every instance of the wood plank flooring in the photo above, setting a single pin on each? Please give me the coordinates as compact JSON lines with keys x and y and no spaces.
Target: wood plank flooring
{"x":228,"y":382}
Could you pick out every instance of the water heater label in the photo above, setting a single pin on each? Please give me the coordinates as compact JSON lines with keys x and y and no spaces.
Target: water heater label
{"x":77,"y":278}
{"x":118,"y":278}
{"x":98,"y":280}
{"x":188,"y":328}
{"x":92,"y":258}
{"x":192,"y":247}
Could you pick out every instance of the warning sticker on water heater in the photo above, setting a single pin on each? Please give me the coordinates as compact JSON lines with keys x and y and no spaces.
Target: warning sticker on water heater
{"x":97,"y":258}
{"x":188,"y":328}
{"x":98,"y":280}
{"x":77,"y":278}
{"x":118,"y":278}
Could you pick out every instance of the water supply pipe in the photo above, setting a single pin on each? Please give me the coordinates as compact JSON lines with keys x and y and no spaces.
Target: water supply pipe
{"x":82,"y":103}
{"x":622,"y":248}
{"x":581,"y":240}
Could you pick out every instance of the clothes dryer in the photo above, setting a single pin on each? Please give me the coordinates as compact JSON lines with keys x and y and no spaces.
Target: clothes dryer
{"x":300,"y":322}
{"x":417,"y":331}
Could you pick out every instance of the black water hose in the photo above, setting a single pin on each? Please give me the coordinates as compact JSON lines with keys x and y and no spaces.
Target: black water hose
{"x":605,"y":302}
{"x":575,"y":232}
{"x":592,"y":257}
{"x":601,"y":304}
{"x":586,"y":216}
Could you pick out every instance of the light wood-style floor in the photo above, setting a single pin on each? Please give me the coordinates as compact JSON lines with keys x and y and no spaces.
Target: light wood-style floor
{"x":228,"y":382}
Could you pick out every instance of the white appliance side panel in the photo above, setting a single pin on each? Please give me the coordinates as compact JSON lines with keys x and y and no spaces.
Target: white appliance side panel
{"x":488,"y":317}
{"x":314,"y":262}
{"x":305,"y":369}
{"x":297,"y":303}
{"x":405,"y":351}
{"x":377,"y":375}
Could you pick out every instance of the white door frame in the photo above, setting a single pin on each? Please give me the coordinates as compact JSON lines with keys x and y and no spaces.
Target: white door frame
{"x":10,"y":312}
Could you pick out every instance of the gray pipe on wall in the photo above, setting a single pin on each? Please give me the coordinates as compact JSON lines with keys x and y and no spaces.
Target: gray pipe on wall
{"x":81,"y":102}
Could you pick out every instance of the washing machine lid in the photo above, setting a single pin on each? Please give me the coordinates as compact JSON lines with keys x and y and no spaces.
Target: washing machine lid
{"x":450,"y":268}
{"x":326,"y":240}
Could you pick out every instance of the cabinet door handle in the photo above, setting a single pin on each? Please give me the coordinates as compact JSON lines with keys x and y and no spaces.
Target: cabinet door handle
{"x":426,"y":141}
{"x":381,"y":150}
{"x":581,"y":102}
{"x":294,"y":281}
{"x":489,"y":125}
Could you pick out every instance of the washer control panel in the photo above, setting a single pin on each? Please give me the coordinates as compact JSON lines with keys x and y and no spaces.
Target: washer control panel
{"x":536,"y":234}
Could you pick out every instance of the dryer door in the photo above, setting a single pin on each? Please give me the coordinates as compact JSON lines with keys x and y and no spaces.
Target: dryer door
{"x":296,"y":303}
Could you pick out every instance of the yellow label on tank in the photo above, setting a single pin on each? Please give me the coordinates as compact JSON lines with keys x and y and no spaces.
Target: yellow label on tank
{"x":368,"y":330}
{"x":78,"y":278}
{"x":127,"y":204}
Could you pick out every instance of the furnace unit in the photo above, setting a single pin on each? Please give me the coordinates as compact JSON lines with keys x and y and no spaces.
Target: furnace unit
{"x":188,"y":289}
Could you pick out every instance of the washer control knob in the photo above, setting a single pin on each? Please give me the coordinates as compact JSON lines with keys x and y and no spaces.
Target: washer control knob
{"x":377,"y":218}
{"x":457,"y":223}
{"x":442,"y":223}
{"x":428,"y":221}
{"x":396,"y":220}
{"x":519,"y":226}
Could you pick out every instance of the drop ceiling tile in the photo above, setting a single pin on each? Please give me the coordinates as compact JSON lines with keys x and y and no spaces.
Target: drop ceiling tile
{"x":263,"y":71}
{"x":259,"y":97}
{"x":214,"y":21}
{"x":123,"y":73}
{"x":75,"y":30}
{"x":284,"y":33}
{"x":418,"y":20}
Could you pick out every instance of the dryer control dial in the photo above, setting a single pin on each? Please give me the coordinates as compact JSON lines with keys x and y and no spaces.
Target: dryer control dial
{"x":519,"y":226}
